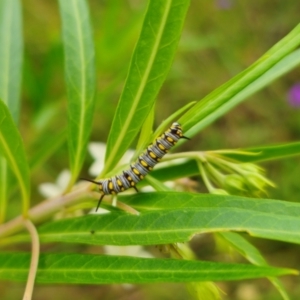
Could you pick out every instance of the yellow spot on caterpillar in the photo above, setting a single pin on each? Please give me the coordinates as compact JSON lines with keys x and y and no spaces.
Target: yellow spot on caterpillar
{"x":161,"y":147}
{"x":136,"y":171}
{"x":119,"y":182}
{"x":152,"y":154}
{"x":143,"y":163}
{"x":170,"y":139}
{"x":110,"y":185}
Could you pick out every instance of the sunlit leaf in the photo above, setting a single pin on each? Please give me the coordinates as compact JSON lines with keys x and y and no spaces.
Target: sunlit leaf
{"x":149,"y":66}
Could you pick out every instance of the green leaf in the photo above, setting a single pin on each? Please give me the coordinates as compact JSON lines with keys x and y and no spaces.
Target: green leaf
{"x":247,"y":82}
{"x":265,"y":153}
{"x":242,"y":246}
{"x":146,"y":132}
{"x":99,"y":269}
{"x":148,"y":69}
{"x":11,"y":53}
{"x":156,"y":184}
{"x":80,"y":78}
{"x":172,"y":171}
{"x":175,"y":200}
{"x":171,"y":217}
{"x":247,"y":250}
{"x":12,"y":148}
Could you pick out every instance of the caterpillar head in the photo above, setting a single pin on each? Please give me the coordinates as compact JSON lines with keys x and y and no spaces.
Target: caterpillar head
{"x":176,"y":129}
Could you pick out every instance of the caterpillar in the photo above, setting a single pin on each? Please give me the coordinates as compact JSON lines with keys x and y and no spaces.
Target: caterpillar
{"x":144,"y":164}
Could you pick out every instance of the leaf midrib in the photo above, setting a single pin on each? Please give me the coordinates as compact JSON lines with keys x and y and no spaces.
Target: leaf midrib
{"x":147,"y":271}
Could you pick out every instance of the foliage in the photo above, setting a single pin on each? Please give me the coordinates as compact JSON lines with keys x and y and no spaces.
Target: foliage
{"x":236,"y":202}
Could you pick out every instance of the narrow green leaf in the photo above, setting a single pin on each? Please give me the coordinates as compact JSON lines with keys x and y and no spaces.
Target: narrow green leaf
{"x":156,"y":184}
{"x":80,"y":78}
{"x":149,"y":66}
{"x":247,"y":250}
{"x":99,"y":269}
{"x":247,"y":82}
{"x":169,"y":217}
{"x":146,"y":132}
{"x":175,"y":200}
{"x":12,"y":148}
{"x":11,"y":53}
{"x":265,"y":153}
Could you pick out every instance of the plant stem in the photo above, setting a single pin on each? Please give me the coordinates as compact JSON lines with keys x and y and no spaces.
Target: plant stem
{"x":34,"y":258}
{"x":47,"y":208}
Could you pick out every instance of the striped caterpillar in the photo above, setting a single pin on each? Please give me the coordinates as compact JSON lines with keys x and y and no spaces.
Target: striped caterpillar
{"x":144,"y":164}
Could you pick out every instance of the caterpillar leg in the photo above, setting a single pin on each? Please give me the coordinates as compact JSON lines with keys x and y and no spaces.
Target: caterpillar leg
{"x":99,"y":202}
{"x":96,"y":182}
{"x":135,"y":189}
{"x":185,"y":137}
{"x":93,"y":181}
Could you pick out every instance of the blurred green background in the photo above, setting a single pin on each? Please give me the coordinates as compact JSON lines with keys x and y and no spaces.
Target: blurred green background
{"x":220,"y":39}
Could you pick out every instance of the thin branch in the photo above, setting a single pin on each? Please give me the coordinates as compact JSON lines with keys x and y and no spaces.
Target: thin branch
{"x":34,"y":258}
{"x":46,"y":209}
